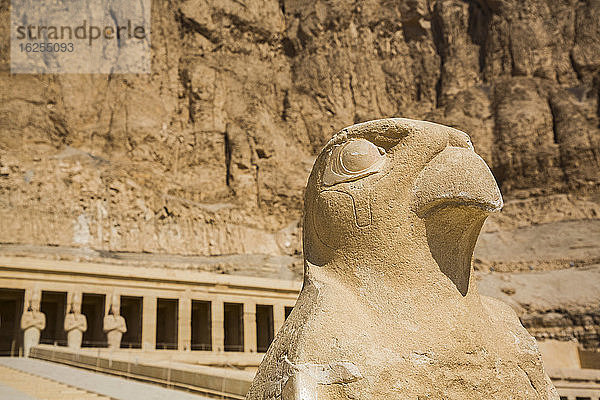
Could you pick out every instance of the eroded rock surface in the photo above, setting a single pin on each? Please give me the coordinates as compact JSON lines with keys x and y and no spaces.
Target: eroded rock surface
{"x":560,"y":305}
{"x":208,"y":155}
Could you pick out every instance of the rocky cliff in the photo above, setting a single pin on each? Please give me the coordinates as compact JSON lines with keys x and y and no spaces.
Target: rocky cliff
{"x":208,"y":155}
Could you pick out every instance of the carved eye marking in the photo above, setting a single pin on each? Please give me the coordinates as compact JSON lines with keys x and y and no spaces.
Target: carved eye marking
{"x":353,"y":160}
{"x":358,"y":155}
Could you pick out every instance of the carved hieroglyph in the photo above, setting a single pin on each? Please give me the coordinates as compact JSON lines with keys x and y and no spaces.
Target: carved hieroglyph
{"x":389,"y":308}
{"x":114,"y":324}
{"x":75,"y":323}
{"x":33,"y":322}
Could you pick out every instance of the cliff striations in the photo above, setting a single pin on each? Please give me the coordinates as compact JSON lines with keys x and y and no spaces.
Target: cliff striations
{"x":206,"y":158}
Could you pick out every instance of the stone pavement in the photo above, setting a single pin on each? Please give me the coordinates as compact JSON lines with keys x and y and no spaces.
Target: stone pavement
{"x":29,"y":379}
{"x":8,"y":392}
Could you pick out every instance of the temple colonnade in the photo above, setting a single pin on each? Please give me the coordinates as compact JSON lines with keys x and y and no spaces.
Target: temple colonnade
{"x":134,"y":307}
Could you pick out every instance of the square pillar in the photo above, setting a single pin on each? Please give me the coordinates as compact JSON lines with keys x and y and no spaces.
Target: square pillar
{"x":250,"y":326}
{"x":217,"y":329}
{"x":278,"y":317}
{"x":149,"y":323}
{"x":185,"y":324}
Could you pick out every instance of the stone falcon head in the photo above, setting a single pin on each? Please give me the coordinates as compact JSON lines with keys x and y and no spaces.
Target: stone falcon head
{"x":383,"y":187}
{"x":389,"y":308}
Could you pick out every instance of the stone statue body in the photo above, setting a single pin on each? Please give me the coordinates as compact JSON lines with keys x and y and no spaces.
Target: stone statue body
{"x":75,"y":324}
{"x":33,"y":322}
{"x":389,"y":308}
{"x":114,"y":326}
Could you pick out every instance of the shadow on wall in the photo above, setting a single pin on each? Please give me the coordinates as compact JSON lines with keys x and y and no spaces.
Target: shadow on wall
{"x":589,"y":359}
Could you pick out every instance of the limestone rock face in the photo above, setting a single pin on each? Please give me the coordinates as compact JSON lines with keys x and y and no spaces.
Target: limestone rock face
{"x":208,"y":155}
{"x":389,"y":306}
{"x":558,"y":305}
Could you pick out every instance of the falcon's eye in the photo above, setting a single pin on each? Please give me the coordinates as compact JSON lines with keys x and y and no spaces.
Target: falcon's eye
{"x":358,"y":155}
{"x":353,"y":160}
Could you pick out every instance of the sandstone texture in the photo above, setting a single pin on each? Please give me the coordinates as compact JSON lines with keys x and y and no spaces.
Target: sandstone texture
{"x":204,"y":160}
{"x":389,"y":308}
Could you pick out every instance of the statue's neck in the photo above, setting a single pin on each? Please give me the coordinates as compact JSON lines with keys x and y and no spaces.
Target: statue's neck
{"x":411,"y":291}
{"x":396,"y":276}
{"x":431,"y":261}
{"x":426,"y":259}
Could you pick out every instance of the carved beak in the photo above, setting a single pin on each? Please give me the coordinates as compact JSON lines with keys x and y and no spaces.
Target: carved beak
{"x":456,"y":176}
{"x":454,"y":194}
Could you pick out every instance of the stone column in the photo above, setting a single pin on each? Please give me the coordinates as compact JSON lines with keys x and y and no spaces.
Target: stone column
{"x":217,"y":329}
{"x":278,"y":317}
{"x":185,"y":323}
{"x":33,"y":322}
{"x":250,"y":326}
{"x":149,"y":323}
